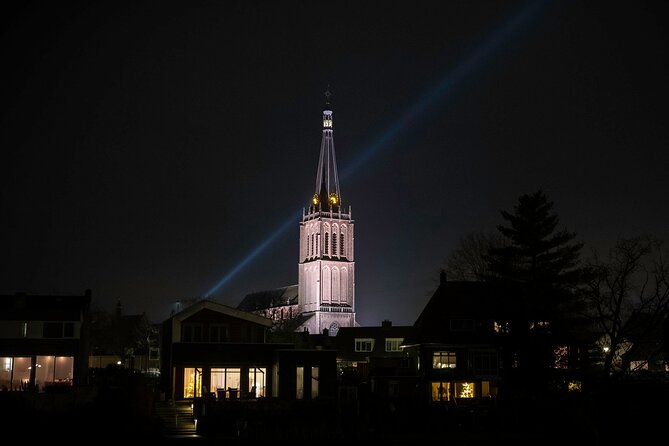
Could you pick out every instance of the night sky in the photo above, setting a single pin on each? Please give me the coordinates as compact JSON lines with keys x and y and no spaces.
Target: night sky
{"x":150,"y":147}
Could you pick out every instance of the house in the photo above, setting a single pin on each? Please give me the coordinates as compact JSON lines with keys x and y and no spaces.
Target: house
{"x":128,"y":340}
{"x":43,"y":342}
{"x":210,"y":349}
{"x":375,"y":357}
{"x":458,"y":342}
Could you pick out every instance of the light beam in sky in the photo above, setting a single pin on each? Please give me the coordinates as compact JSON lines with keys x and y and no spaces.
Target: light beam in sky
{"x":431,"y":97}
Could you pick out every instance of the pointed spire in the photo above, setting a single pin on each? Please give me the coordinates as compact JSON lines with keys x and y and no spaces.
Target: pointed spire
{"x":327,"y":195}
{"x":327,"y":97}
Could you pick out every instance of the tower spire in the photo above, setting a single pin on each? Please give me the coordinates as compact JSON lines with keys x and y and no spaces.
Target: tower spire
{"x":327,"y":195}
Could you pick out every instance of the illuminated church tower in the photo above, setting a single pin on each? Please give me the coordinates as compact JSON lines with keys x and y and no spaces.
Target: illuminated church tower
{"x":326,"y":279}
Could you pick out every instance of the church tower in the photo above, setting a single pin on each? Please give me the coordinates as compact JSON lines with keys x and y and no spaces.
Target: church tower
{"x":326,"y":278}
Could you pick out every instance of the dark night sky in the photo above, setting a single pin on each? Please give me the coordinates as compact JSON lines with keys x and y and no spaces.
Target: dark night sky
{"x":149,"y":147}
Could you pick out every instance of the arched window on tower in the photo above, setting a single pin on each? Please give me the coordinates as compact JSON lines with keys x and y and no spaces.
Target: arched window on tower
{"x":341,"y":244}
{"x":311,"y":245}
{"x":334,"y":243}
{"x":327,"y":243}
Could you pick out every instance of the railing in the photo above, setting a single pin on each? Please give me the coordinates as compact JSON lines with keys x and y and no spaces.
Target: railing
{"x":335,"y":309}
{"x":327,"y":214}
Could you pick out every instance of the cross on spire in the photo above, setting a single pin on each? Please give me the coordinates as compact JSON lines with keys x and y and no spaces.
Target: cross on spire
{"x":327,"y":95}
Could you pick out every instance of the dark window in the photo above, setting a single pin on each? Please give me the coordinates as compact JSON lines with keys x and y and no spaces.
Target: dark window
{"x":462,"y":324}
{"x":68,"y":330}
{"x":187,"y":333}
{"x":191,"y":333}
{"x":52,"y":330}
{"x":484,"y":363}
{"x":218,"y":333}
{"x":341,"y":244}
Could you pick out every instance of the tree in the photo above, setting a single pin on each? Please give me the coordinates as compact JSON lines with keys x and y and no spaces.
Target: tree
{"x":538,"y":268}
{"x":536,"y":252}
{"x":538,"y":256}
{"x":468,"y":261}
{"x":629,"y":300}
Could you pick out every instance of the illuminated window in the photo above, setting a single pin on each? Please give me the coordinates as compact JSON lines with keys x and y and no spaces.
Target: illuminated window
{"x":341,"y":244}
{"x":501,"y":327}
{"x":464,"y":390}
{"x":327,"y":243}
{"x":21,"y":373}
{"x":539,"y":324}
{"x":561,"y":357}
{"x":394,"y":344}
{"x":257,"y":381}
{"x":574,"y":386}
{"x":299,"y":382}
{"x":5,"y":373}
{"x":314,"y":382}
{"x":226,"y":381}
{"x":364,"y":344}
{"x":441,"y":391}
{"x":638,"y":365}
{"x":443,"y":360}
{"x":192,"y":382}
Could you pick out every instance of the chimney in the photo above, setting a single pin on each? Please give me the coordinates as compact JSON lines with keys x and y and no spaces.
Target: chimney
{"x":386,"y":324}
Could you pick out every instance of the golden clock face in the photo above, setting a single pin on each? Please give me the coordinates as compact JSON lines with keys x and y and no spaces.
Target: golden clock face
{"x":315,"y":200}
{"x":333,"y":198}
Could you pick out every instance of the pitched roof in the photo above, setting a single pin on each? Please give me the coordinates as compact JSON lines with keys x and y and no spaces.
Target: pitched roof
{"x":261,"y":300}
{"x":220,"y":308}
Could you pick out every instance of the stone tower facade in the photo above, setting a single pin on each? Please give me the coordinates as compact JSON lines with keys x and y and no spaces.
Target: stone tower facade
{"x":326,"y":277}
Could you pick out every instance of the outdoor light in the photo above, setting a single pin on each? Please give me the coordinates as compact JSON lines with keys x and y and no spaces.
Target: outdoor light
{"x":118,"y":362}
{"x":606,"y":349}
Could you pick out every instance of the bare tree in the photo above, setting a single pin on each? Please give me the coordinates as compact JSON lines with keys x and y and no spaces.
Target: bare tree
{"x":629,"y":299}
{"x":468,"y":260}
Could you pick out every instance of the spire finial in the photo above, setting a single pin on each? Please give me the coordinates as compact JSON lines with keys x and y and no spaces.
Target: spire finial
{"x":327,"y":95}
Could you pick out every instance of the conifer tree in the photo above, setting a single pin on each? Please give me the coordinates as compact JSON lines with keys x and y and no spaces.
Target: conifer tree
{"x":542,"y":263}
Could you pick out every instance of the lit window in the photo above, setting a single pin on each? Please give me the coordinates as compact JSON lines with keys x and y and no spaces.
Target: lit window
{"x":441,"y":391}
{"x":314,"y":382}
{"x":299,"y":382}
{"x":443,"y":360}
{"x":501,"y":327}
{"x":561,"y":357}
{"x":364,"y":345}
{"x":394,"y":344}
{"x":464,"y":390}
